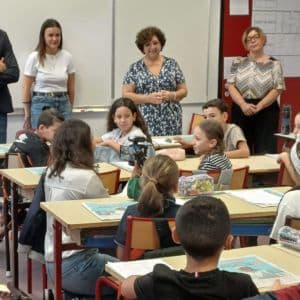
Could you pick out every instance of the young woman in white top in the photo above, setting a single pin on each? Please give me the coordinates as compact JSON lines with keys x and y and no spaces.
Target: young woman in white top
{"x":124,"y":121}
{"x":71,"y":175}
{"x":49,"y":76}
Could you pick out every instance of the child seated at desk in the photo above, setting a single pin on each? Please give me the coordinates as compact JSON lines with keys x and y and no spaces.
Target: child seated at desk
{"x":159,"y":182}
{"x":71,"y":175}
{"x":289,"y":205}
{"x":33,"y":145}
{"x":124,"y":121}
{"x":234,"y":139}
{"x":202,"y":227}
{"x":292,"y":160}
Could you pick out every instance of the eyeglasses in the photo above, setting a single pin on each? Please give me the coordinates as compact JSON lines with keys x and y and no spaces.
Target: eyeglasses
{"x":252,"y":38}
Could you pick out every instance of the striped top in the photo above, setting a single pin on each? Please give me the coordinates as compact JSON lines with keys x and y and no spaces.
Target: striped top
{"x":254,"y":80}
{"x":216,"y":161}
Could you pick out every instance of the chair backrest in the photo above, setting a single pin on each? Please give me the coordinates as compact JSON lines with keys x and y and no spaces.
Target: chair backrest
{"x":196,"y":120}
{"x":239,"y":178}
{"x":110,"y":180}
{"x":284,"y":177}
{"x":141,"y":234}
{"x":16,"y":160}
{"x":292,"y":222}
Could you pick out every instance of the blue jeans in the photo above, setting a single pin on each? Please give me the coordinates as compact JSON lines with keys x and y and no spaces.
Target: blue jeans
{"x":80,"y":272}
{"x":62,"y":104}
{"x":3,"y":127}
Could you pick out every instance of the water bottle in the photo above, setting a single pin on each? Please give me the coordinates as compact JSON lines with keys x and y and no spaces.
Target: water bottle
{"x":286,"y":119}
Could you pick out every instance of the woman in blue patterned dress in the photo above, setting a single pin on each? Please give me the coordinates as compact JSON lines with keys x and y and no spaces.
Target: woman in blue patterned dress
{"x":156,"y":83}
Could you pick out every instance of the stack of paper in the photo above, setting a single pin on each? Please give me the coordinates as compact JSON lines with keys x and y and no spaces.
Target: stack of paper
{"x":260,"y":197}
{"x":138,"y":267}
{"x":123,"y":165}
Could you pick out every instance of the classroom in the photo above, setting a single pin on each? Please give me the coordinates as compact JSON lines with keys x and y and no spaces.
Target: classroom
{"x":204,"y":40}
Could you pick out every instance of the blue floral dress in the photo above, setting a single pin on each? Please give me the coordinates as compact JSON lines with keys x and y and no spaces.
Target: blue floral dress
{"x":166,"y":118}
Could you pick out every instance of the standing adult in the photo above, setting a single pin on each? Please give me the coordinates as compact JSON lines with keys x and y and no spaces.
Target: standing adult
{"x":157,"y":84}
{"x":9,"y":73}
{"x":254,"y":85}
{"x":49,"y":76}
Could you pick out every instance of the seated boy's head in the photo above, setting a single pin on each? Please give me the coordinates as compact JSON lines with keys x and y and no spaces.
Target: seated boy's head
{"x":203,"y":227}
{"x":50,"y":119}
{"x":216,"y":109}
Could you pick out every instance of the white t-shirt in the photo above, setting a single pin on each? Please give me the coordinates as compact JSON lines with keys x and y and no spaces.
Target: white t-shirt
{"x":116,"y":135}
{"x":289,"y":205}
{"x":53,"y":75}
{"x":73,"y":184}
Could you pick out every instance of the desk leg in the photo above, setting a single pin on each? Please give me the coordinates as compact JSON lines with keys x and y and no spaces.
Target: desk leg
{"x":57,"y":259}
{"x":14,"y":222}
{"x":6,"y":230}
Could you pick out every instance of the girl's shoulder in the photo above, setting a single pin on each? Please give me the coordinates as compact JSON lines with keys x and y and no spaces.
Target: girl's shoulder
{"x":136,"y":131}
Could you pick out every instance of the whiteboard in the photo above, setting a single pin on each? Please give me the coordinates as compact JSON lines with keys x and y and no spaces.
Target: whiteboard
{"x":192,"y":31}
{"x":87,"y":34}
{"x":100,"y":35}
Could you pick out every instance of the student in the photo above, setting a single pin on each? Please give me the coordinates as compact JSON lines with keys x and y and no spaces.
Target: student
{"x":159,"y":183}
{"x":208,"y":142}
{"x":202,"y":228}
{"x":71,"y":175}
{"x":33,"y":144}
{"x":289,"y":205}
{"x":292,"y":160}
{"x":234,"y":139}
{"x":123,"y":121}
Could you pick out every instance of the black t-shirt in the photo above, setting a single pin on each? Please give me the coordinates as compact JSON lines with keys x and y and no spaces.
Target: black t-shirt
{"x":166,"y":284}
{"x":30,"y":144}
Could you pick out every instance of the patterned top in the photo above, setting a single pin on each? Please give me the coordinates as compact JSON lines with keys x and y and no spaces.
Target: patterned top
{"x":254,"y":80}
{"x":166,"y":118}
{"x":217,"y":161}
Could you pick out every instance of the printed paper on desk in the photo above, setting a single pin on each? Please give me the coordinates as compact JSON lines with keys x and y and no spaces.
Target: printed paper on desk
{"x":262,"y":272}
{"x":108,"y":211}
{"x":137,"y":267}
{"x":260,"y":197}
{"x":37,"y":170}
{"x":123,"y":165}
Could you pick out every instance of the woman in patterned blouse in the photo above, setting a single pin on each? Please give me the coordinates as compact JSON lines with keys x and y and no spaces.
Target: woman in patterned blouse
{"x":254,"y":85}
{"x":156,"y":83}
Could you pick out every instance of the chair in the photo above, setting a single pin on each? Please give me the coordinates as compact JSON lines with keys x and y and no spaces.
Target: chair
{"x":292,"y":222}
{"x":196,"y":120}
{"x":284,"y":177}
{"x":239,"y":178}
{"x":111,"y":180}
{"x":141,"y":235}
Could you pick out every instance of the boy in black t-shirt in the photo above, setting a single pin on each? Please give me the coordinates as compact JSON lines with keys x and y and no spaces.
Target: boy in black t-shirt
{"x":33,"y":144}
{"x":202,"y":227}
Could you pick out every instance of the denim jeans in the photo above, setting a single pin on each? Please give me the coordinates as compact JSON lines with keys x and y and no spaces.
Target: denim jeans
{"x":80,"y":272}
{"x":62,"y":104}
{"x":3,"y":127}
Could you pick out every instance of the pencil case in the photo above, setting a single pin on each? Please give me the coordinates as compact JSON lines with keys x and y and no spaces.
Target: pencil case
{"x":195,"y":185}
{"x":289,"y":237}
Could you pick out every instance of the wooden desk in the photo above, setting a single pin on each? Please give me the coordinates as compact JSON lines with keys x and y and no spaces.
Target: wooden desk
{"x":78,"y":218}
{"x":23,"y":183}
{"x":257,"y":164}
{"x":290,"y":261}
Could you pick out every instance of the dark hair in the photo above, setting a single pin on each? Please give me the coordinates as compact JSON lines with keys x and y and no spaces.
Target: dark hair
{"x":202,"y":225}
{"x":248,"y":30}
{"x":214,"y":130}
{"x":218,"y":103}
{"x":159,"y":179}
{"x":139,"y":120}
{"x":72,"y":144}
{"x":145,"y":35}
{"x":41,"y":46}
{"x":49,"y":116}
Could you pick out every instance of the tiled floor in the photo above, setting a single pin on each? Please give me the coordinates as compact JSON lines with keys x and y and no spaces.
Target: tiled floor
{"x":36,"y":271}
